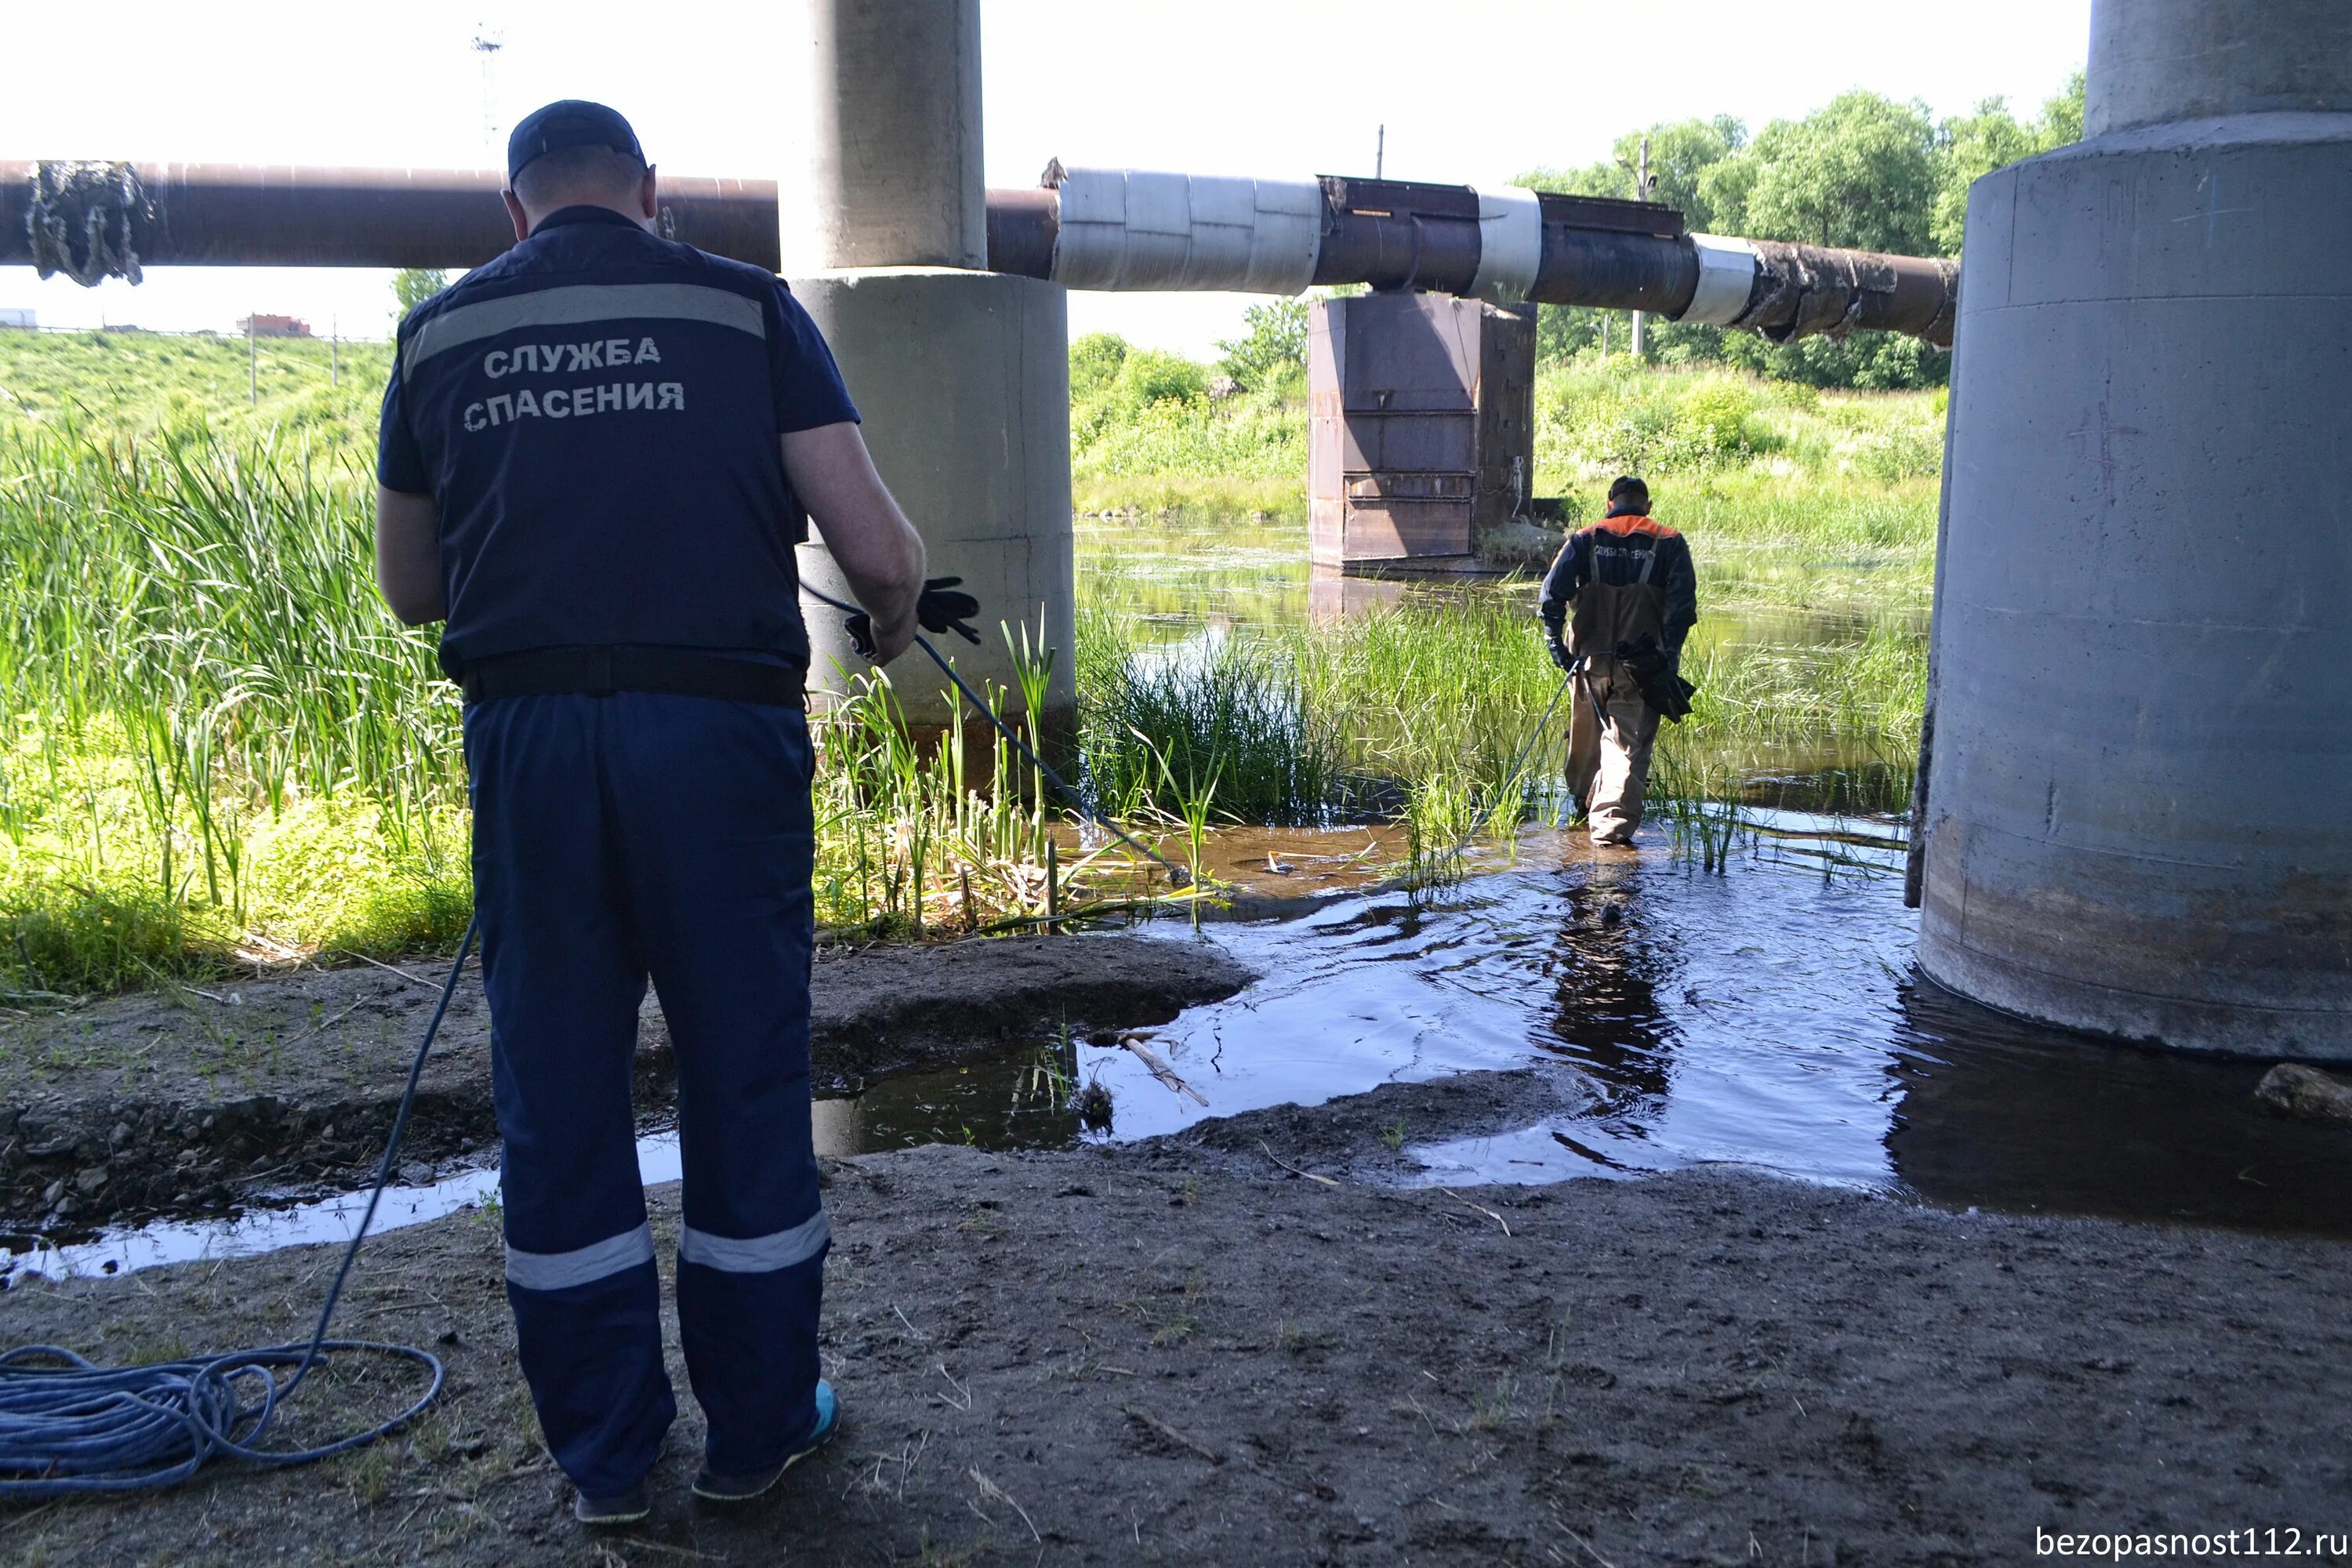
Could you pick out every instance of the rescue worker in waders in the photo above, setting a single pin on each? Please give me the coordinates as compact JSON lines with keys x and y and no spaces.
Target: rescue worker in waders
{"x":1620,"y":594}
{"x":595,"y":452}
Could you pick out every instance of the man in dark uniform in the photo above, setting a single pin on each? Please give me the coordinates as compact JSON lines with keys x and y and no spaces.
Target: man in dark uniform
{"x":1628,"y":578}
{"x":595,"y":452}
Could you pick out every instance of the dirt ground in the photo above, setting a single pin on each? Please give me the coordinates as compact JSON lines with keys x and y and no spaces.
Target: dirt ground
{"x":188,"y":1098}
{"x":1184,"y":1353}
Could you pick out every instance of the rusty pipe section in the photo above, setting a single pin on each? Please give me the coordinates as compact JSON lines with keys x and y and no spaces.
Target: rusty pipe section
{"x":1625,"y":256}
{"x":227,"y":214}
{"x":1087,"y":229}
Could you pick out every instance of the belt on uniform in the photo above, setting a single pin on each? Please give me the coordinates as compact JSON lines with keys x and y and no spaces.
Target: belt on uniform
{"x":598,"y":671}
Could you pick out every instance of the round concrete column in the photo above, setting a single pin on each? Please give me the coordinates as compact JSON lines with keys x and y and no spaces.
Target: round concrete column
{"x":2144,"y":629}
{"x":2154,"y":62}
{"x":883,"y":165}
{"x":963,"y":379}
{"x":962,"y":376}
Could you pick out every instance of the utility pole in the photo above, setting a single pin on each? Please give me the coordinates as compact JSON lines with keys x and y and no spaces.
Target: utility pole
{"x":487,"y":44}
{"x":252,"y":363}
{"x":334,"y":350}
{"x":1381,"y":152}
{"x":1644,"y":186}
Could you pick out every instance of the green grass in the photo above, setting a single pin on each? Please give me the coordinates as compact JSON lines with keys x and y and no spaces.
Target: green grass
{"x":137,"y":383}
{"x":217,"y":745}
{"x":1425,"y":711}
{"x":1790,"y":496}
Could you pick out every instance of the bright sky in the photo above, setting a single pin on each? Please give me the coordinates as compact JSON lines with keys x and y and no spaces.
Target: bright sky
{"x":1475,"y":92}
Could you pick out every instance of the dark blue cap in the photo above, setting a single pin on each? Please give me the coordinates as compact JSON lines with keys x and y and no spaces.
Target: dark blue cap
{"x":570,"y":123}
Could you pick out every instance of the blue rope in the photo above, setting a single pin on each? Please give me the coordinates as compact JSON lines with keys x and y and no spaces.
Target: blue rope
{"x":68,"y":1426}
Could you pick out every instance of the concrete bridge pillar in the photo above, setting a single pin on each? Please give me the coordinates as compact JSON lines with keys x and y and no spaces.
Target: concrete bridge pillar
{"x":961,"y":374}
{"x":2143,"y":689}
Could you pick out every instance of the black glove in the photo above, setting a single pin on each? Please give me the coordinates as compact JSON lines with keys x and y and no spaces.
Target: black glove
{"x":1560,"y":656}
{"x":938,"y":609}
{"x":942,"y":608}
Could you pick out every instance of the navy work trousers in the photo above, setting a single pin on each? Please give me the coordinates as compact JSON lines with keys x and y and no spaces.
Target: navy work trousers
{"x":616,"y":837}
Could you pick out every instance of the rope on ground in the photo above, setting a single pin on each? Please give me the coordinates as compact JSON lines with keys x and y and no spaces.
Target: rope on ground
{"x":68,"y":1426}
{"x":80,"y":220}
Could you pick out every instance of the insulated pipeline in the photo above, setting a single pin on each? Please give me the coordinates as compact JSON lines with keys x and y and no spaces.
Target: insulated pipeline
{"x":1085,"y":228}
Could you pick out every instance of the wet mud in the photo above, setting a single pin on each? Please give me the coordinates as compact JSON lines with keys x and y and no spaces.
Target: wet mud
{"x":189,"y":1099}
{"x":1181,"y":1353}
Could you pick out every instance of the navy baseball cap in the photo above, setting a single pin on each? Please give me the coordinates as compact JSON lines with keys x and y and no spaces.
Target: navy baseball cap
{"x":568,"y":122}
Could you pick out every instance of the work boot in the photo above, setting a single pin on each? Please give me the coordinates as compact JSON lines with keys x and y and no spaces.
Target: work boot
{"x":621,"y":1508}
{"x":712,"y":1486}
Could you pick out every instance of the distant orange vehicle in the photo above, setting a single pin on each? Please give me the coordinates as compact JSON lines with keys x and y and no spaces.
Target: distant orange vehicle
{"x":275,"y":327}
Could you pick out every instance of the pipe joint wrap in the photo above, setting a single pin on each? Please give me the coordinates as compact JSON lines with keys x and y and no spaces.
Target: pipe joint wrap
{"x":1510,"y":244}
{"x":1133,"y":228}
{"x":1727,"y":280}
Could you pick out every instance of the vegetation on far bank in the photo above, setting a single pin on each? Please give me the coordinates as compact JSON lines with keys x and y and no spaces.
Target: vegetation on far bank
{"x":1862,"y":172}
{"x":217,"y":746}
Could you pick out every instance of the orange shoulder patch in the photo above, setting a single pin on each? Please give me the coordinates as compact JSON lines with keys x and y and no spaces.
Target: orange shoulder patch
{"x":1626,"y":523}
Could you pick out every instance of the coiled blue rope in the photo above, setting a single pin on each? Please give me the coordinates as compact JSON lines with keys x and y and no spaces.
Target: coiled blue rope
{"x":69,"y":1426}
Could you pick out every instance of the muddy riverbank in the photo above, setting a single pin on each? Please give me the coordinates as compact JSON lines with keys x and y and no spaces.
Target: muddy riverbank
{"x":1173,"y":1352}
{"x":190,"y":1098}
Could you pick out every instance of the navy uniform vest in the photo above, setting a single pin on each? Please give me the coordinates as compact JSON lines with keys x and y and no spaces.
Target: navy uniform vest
{"x":596,"y":415}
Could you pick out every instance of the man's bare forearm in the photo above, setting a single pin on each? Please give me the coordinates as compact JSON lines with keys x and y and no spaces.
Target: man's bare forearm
{"x":867,"y":535}
{"x":408,"y":556}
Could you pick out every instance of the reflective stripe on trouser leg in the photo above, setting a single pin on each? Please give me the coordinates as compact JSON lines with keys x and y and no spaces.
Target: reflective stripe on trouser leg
{"x":749,"y":1339}
{"x":718,"y":858}
{"x":580,"y":1265}
{"x":756,"y":1254}
{"x":565,"y":978}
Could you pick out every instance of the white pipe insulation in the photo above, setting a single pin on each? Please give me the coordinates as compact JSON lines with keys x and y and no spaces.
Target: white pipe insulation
{"x":1137,"y":228}
{"x":1727,"y":277}
{"x":1510,"y":244}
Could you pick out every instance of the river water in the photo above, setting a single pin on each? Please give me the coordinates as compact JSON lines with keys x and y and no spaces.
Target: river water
{"x":1768,"y":1015}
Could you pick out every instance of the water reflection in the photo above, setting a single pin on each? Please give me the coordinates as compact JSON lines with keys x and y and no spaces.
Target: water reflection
{"x":1769,"y":1016}
{"x":2005,"y":1114}
{"x":1606,"y":1012}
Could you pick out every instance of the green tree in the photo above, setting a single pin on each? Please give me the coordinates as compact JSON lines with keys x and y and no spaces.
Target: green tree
{"x":1274,"y":349}
{"x":1095,"y":362}
{"x":1683,"y":153}
{"x":1859,"y":173}
{"x":1153,"y":375}
{"x":1974,"y":145}
{"x":2060,"y":124}
{"x":412,"y":286}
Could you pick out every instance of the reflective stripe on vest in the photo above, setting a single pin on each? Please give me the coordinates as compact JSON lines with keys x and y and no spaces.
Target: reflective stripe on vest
{"x":577,"y":306}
